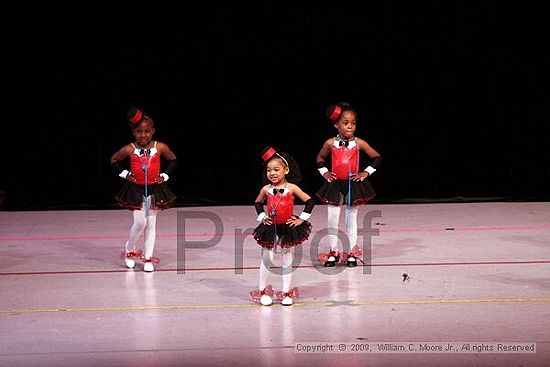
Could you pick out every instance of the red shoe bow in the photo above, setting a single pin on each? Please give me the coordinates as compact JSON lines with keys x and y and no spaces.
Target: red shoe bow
{"x":257,"y":294}
{"x":324,"y":258}
{"x":294,"y":293}
{"x":130,"y":254}
{"x":154,"y":260}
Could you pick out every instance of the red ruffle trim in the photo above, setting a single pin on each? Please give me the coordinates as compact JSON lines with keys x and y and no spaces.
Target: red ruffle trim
{"x":294,"y":293}
{"x":257,"y":294}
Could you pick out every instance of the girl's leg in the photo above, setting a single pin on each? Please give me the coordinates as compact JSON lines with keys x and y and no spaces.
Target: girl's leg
{"x":266,"y":262}
{"x":135,"y":232}
{"x":150,"y":233}
{"x":150,"y":237}
{"x":352,"y":230}
{"x":288,"y":257}
{"x":333,"y":218}
{"x":352,"y":235}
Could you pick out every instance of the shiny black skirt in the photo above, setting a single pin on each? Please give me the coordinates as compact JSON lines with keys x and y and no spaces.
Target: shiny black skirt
{"x":336,"y":192}
{"x":283,"y":235}
{"x":131,"y":196}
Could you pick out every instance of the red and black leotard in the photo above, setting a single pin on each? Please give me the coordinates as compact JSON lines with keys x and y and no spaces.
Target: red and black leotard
{"x":344,"y":159}
{"x":131,"y":195}
{"x":280,"y":208}
{"x":145,"y":160}
{"x":345,"y":163}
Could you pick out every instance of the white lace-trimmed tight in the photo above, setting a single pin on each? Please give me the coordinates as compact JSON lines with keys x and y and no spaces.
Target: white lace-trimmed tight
{"x":333,"y":220}
{"x":141,"y":224}
{"x":267,"y":261}
{"x":288,"y":256}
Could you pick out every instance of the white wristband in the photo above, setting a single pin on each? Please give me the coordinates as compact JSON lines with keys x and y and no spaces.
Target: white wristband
{"x":165,"y":176}
{"x":124,"y":174}
{"x":322,"y":170}
{"x":261,"y":217}
{"x":370,"y":170}
{"x":305,"y":216}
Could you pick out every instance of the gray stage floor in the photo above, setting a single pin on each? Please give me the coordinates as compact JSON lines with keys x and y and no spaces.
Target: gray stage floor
{"x":478,"y":278}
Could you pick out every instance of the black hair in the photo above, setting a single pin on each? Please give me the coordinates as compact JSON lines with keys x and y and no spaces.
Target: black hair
{"x":335,"y":111}
{"x":136,"y":116}
{"x":294,"y":174}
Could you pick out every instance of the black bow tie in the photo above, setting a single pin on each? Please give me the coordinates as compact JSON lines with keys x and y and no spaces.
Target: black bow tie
{"x":278,"y":190}
{"x":344,"y":142}
{"x":145,"y":151}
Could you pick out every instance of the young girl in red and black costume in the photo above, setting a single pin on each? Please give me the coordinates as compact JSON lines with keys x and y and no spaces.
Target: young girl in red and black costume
{"x":345,"y":183}
{"x":145,"y":191}
{"x":278,"y":224}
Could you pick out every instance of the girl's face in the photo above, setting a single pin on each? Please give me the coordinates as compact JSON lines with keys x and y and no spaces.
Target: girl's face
{"x":143,"y":133}
{"x":346,"y":124}
{"x":276,"y":171}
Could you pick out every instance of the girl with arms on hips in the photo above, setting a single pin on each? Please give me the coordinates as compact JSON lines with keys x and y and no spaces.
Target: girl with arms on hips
{"x":346,"y":183}
{"x":145,"y":191}
{"x":278,"y":224}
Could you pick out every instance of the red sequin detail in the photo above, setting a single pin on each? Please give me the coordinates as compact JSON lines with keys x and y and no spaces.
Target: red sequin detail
{"x":257,"y":294}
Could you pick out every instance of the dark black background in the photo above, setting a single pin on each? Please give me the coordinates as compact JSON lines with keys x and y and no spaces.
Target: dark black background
{"x":454,"y":95}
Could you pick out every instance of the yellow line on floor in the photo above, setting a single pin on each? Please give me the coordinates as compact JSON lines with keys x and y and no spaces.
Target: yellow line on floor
{"x":452,"y":301}
{"x":298,"y":304}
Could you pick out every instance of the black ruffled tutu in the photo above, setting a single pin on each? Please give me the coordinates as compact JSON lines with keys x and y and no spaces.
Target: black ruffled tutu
{"x":131,"y":196}
{"x":281,"y":234}
{"x":335,"y":192}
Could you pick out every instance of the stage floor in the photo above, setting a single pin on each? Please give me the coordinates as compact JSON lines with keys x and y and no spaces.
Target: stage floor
{"x":478,"y":277}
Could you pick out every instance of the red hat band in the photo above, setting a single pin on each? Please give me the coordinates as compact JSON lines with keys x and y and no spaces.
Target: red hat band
{"x":335,"y":115}
{"x":268,"y":154}
{"x":137,"y":117}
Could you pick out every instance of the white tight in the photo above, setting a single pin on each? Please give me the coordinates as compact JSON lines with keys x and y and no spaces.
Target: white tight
{"x":267,"y":261}
{"x":333,"y":224}
{"x":143,"y":223}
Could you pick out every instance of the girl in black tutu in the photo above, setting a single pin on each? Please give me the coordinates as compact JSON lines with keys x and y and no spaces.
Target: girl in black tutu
{"x":278,"y":224}
{"x":346,"y":182}
{"x":145,"y":190}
